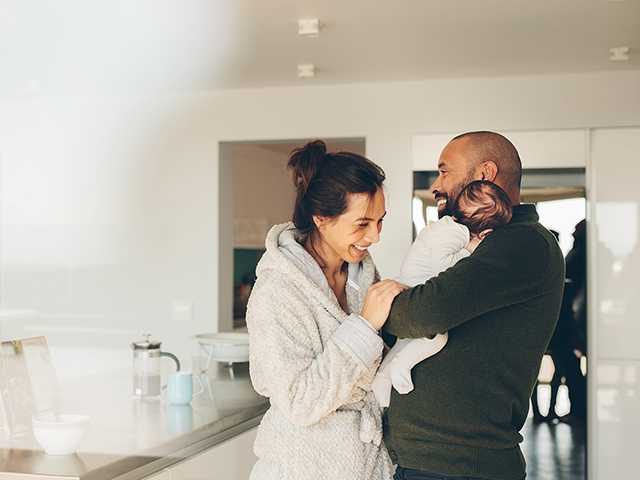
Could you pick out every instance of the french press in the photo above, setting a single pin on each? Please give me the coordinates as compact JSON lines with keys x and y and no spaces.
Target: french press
{"x":146,"y":367}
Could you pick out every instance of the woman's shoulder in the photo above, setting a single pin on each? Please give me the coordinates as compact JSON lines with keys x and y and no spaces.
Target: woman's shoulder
{"x":276,"y":303}
{"x":278,"y":288}
{"x":272,"y":282}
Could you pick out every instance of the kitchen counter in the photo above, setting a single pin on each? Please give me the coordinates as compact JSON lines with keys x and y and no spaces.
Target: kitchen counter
{"x":130,"y":438}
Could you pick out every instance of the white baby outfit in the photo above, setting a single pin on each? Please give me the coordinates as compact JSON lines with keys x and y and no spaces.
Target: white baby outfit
{"x":439,"y":245}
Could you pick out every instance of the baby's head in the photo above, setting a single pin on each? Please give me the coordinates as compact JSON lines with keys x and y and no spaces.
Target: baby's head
{"x":482,"y":206}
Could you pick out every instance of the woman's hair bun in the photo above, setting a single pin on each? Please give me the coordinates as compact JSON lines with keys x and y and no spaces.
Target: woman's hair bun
{"x":324,"y":182}
{"x":305,"y":161}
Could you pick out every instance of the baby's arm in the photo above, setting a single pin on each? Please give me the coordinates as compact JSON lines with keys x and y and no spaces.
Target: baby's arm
{"x":397,"y":364}
{"x":437,"y":247}
{"x":381,"y":385}
{"x":412,"y":353}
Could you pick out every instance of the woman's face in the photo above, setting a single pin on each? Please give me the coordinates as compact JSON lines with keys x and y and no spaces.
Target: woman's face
{"x":349,"y":235}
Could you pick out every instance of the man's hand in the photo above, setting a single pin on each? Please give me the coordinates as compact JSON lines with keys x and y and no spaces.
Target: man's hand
{"x":377,"y":303}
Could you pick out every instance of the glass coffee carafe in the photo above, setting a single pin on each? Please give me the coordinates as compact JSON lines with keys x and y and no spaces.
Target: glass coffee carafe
{"x":147,"y":358}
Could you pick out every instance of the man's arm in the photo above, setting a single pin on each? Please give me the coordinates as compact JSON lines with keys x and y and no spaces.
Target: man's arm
{"x":505,"y":270}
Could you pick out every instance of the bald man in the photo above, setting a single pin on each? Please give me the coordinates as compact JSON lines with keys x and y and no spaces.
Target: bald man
{"x":499,"y":307}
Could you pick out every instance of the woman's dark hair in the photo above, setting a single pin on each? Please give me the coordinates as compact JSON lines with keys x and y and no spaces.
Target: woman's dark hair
{"x":482,"y":205}
{"x":323,"y":180}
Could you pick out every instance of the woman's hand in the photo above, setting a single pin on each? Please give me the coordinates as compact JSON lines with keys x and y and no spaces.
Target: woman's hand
{"x":377,"y":303}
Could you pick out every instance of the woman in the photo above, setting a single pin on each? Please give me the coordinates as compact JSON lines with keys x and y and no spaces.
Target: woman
{"x":313,"y":318}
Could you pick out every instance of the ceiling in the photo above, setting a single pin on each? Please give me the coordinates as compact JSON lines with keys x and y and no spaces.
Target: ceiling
{"x":143,"y":45}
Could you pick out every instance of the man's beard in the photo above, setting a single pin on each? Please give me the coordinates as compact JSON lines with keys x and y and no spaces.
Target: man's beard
{"x":449,"y":207}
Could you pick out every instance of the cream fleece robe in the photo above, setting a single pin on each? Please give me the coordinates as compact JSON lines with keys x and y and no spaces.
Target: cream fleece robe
{"x":315,"y":363}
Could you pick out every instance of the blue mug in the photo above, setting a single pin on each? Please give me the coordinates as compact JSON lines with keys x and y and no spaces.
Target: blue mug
{"x":179,"y":419}
{"x":180,"y":388}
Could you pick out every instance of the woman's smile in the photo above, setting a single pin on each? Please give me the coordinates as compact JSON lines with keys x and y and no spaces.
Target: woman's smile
{"x":359,"y":250}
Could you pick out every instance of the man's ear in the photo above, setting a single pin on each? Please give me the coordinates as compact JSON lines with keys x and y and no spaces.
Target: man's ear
{"x":488,"y":171}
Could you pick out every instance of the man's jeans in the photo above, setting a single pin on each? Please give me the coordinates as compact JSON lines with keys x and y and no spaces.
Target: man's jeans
{"x":408,"y":474}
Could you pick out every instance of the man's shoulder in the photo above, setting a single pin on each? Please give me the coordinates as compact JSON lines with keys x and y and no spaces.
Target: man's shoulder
{"x":530,"y":238}
{"x":525,"y":231}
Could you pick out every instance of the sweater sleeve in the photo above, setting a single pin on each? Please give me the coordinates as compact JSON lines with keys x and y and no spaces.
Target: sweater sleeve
{"x":304,"y":384}
{"x":504,"y":270}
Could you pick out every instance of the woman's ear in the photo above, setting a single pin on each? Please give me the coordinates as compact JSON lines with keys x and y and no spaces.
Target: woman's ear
{"x":320,"y":221}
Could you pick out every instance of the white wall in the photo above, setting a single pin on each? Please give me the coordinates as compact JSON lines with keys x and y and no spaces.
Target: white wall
{"x":107,"y":217}
{"x":614,"y":281}
{"x":566,"y":148}
{"x":109,"y":206}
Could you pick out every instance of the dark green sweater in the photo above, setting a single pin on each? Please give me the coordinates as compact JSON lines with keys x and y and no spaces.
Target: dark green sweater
{"x":500,"y":307}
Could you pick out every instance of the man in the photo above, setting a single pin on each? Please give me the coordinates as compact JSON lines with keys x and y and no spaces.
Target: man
{"x":500,"y":307}
{"x":576,"y":265}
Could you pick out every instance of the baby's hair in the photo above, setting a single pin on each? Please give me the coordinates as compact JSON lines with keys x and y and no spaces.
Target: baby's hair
{"x":482,"y":205}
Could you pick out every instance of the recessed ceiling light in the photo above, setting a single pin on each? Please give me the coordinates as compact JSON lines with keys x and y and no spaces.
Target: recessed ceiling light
{"x":309,"y":27}
{"x":619,"y":54}
{"x":306,"y":70}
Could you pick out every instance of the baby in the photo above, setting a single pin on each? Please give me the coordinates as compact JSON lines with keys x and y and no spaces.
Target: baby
{"x":480,"y":208}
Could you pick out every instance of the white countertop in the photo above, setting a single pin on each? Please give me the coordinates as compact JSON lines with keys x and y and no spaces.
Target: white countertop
{"x":127,"y":432}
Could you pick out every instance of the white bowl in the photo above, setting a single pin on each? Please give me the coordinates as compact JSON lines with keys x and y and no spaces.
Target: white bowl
{"x":231,"y":347}
{"x":59,"y":434}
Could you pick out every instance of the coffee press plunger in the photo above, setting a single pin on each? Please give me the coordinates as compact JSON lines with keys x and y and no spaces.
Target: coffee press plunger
{"x":147,"y":367}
